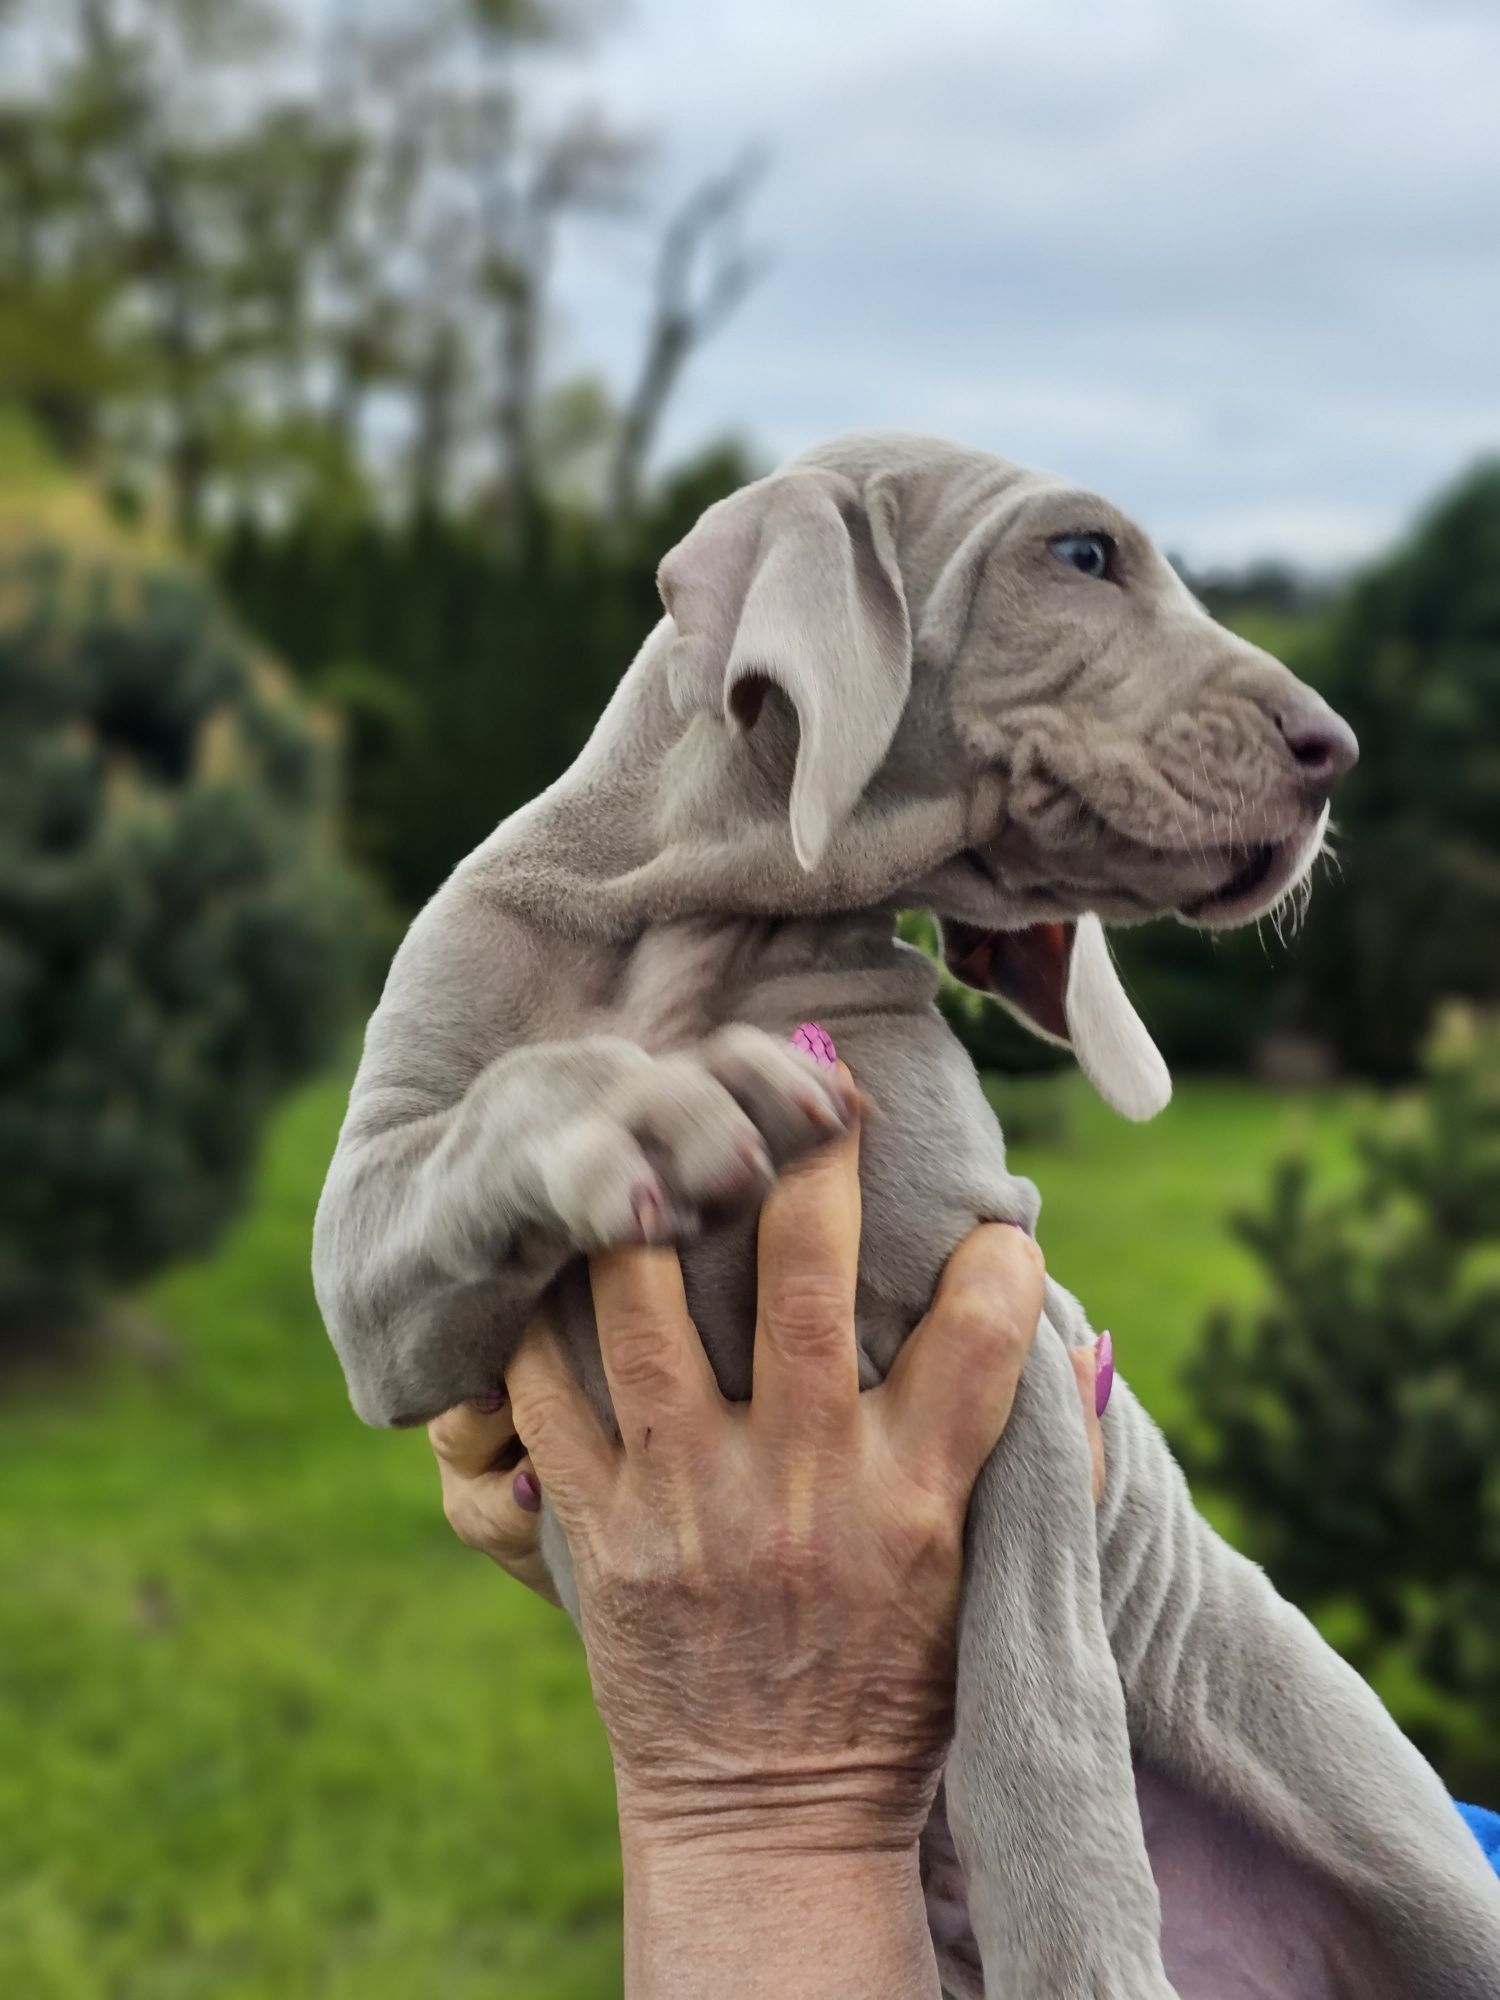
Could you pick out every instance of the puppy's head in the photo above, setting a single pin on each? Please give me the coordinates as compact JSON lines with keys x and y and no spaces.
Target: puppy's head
{"x":924,"y":620}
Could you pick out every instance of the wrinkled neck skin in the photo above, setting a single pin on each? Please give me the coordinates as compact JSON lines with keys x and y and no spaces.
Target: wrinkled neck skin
{"x":666,"y":818}
{"x":669,"y":813}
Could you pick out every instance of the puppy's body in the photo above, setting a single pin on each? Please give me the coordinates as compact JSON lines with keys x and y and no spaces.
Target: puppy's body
{"x":652,"y":897}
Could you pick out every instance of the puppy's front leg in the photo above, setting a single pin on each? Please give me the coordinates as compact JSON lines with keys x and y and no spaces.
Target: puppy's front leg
{"x":438,"y":1233}
{"x":1040,"y":1791}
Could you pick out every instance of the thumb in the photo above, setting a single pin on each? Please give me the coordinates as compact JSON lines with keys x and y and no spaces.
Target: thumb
{"x":1094,"y":1372}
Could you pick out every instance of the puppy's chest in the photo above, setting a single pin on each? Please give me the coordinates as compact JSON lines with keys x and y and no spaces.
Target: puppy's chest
{"x":680,"y":981}
{"x":932,"y":1161}
{"x":683,"y":980}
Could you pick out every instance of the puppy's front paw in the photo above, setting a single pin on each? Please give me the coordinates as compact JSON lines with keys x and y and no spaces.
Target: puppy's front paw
{"x":686,"y":1140}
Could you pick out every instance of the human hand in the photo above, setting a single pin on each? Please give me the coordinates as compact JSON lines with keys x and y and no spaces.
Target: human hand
{"x":490,"y":1491}
{"x":493,"y":1501}
{"x":769,"y":1590}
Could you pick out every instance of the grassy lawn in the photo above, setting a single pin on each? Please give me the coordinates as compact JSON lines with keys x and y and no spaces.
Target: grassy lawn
{"x":1133,"y":1216}
{"x":266,"y":1729}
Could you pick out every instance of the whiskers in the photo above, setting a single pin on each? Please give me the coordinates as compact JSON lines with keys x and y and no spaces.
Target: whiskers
{"x":1288,"y":914}
{"x":1329,"y":852}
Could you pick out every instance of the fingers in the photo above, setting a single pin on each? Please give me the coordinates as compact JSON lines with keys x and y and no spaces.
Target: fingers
{"x":806,"y":1363}
{"x":490,"y":1491}
{"x":469,"y":1438}
{"x":573,"y":1456}
{"x":1086,"y":1371}
{"x":489,"y":1517}
{"x":659,"y":1379}
{"x":951,"y":1389}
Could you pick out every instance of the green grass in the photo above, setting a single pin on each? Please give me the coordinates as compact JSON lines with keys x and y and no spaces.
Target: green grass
{"x":267,"y":1729}
{"x":1133,"y":1216}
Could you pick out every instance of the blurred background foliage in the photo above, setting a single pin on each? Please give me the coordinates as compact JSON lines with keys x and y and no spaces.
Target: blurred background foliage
{"x":1375,"y":1347}
{"x":180,"y":940}
{"x":313,"y":567}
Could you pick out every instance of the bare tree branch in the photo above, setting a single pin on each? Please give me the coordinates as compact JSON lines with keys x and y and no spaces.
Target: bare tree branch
{"x":703,"y":271}
{"x":585,"y":164}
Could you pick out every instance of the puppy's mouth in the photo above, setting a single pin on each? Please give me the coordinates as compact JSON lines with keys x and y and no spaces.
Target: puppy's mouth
{"x":1214,"y":889}
{"x":1260,"y":875}
{"x":1244,"y":888}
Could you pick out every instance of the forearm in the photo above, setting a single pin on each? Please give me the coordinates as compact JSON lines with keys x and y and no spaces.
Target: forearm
{"x":774,"y":1922}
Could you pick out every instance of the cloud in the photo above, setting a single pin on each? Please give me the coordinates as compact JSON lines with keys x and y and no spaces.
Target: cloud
{"x":1233,"y":260}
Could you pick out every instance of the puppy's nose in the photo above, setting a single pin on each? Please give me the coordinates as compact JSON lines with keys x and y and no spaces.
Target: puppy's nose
{"x":1321,"y":742}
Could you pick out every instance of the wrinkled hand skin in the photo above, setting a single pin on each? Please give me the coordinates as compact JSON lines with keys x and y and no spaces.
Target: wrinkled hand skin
{"x":765,"y":1644}
{"x":769,"y":1591}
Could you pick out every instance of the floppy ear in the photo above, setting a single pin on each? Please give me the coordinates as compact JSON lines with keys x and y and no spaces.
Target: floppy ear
{"x":793,"y":583}
{"x":1060,"y":979}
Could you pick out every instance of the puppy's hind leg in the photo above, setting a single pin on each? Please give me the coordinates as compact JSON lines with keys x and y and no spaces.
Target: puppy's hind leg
{"x":1040,"y":1789}
{"x":1237,"y":1703}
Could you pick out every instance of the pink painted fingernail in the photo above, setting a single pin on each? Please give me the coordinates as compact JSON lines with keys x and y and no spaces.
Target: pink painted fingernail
{"x":489,"y":1400}
{"x":528,"y":1493}
{"x":815,"y":1042}
{"x":1104,"y":1372}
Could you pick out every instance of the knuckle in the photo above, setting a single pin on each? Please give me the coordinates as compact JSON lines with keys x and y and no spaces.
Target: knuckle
{"x":1005,"y":1263}
{"x":930,"y":1526}
{"x":1002,"y":1248}
{"x":464,"y":1518}
{"x":812,"y":1313}
{"x":1006,"y":1340}
{"x":539,"y":1409}
{"x":633,"y":1343}
{"x":987,"y":1326}
{"x":442,"y":1435}
{"x":1029,"y":1251}
{"x":784,"y":1554}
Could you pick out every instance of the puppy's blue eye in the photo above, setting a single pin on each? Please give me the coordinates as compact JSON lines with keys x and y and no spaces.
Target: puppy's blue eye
{"x":1091,"y":554}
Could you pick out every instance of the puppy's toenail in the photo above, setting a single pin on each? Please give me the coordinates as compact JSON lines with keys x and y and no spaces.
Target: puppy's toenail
{"x":650,"y":1217}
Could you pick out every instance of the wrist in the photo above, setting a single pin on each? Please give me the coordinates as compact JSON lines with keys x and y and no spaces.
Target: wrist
{"x":844,"y":1813}
{"x":773,"y":1908}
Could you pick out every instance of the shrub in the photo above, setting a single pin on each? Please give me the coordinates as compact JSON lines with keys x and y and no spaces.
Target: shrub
{"x":176,"y":944}
{"x":1354,"y":1417}
{"x":1413,"y":660}
{"x":470,"y":678}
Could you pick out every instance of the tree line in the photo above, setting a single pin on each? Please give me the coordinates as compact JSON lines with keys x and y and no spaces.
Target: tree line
{"x":471,"y":679}
{"x":255,"y":258}
{"x":293,"y":290}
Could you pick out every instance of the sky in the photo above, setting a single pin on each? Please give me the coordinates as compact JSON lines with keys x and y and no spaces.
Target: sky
{"x":1236,"y":263}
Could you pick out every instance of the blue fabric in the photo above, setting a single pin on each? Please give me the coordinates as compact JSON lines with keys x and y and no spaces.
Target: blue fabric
{"x":1485,"y":1827}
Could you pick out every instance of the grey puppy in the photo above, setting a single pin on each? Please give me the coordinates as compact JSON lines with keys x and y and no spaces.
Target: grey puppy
{"x":900,"y":672}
